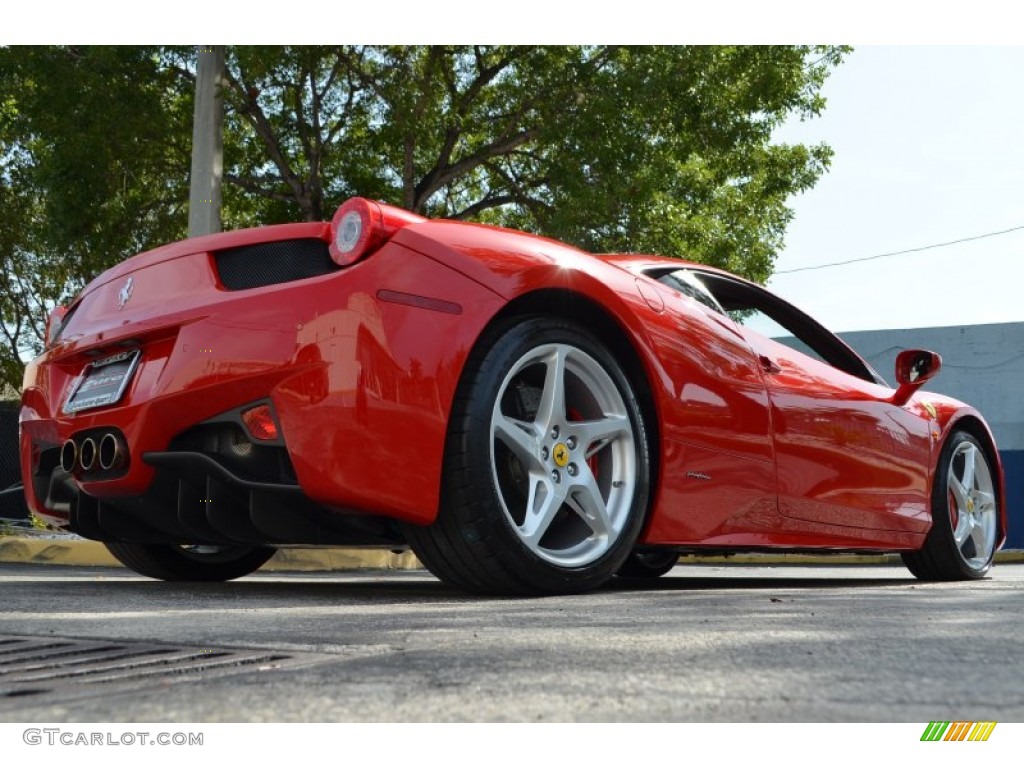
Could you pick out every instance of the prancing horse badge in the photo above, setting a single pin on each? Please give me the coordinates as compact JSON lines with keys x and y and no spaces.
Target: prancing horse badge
{"x":125,"y":293}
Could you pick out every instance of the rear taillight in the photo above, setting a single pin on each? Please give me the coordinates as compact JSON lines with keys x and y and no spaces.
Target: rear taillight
{"x":360,"y":226}
{"x":260,"y":423}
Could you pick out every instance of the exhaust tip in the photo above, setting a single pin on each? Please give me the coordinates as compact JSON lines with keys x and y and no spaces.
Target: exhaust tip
{"x":112,"y":452}
{"x":87,"y":455}
{"x":68,"y":456}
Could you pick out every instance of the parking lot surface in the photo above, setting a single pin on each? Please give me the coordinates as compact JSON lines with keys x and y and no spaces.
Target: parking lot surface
{"x":705,"y":643}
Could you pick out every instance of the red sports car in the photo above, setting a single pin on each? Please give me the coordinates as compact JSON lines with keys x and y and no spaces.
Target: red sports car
{"x":527,"y":417}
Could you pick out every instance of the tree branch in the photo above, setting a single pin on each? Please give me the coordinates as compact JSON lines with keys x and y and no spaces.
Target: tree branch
{"x":443,"y":171}
{"x":257,"y":186}
{"x":409,"y":144}
{"x":482,"y":205}
{"x":258,"y":119}
{"x":433,"y":182}
{"x":316,"y":186}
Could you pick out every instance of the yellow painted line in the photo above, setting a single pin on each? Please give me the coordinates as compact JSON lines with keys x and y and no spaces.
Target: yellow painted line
{"x":989,"y":727}
{"x":92,"y":554}
{"x":340,"y":559}
{"x":82,"y":552}
{"x":54,"y":552}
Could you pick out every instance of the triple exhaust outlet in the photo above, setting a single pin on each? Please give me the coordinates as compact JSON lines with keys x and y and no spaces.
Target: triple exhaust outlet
{"x":104,"y":453}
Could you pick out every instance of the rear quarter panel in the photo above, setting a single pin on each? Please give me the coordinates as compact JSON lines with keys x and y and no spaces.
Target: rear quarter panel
{"x":710,"y":407}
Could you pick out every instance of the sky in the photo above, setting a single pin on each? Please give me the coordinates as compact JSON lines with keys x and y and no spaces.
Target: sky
{"x":929,"y":148}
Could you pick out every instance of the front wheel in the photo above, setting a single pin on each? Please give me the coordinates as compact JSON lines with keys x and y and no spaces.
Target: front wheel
{"x":174,"y":562}
{"x":546,"y":474}
{"x":965,"y":515}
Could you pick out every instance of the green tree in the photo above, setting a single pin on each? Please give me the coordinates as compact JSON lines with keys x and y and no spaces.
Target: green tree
{"x":657,"y":149}
{"x":94,"y":158}
{"x":652,"y":149}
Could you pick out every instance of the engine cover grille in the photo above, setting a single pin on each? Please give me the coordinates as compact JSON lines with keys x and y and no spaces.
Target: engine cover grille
{"x":282,"y":261}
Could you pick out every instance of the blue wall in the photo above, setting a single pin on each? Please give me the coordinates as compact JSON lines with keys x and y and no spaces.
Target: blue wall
{"x":1013,"y":466}
{"x":981,"y":365}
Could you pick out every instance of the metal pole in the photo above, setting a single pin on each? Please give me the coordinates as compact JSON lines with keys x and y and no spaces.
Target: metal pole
{"x":207,"y":143}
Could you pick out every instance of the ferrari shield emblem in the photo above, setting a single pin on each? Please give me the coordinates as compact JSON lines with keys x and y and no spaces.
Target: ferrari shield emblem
{"x":560,"y":454}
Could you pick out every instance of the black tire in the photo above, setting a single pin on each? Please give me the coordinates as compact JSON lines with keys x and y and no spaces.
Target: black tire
{"x":973,"y":509}
{"x":648,"y":565}
{"x":170,"y":562}
{"x":585,"y":469}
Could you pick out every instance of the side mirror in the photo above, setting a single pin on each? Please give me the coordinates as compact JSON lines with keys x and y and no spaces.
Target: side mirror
{"x":913,"y":368}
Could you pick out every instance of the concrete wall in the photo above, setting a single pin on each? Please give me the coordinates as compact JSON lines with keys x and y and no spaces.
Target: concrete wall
{"x":982,"y":365}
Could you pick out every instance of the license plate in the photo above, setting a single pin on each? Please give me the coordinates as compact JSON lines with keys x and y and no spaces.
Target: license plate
{"x":103,"y":381}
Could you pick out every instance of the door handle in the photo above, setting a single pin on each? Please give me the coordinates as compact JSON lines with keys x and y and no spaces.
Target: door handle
{"x":768,"y":365}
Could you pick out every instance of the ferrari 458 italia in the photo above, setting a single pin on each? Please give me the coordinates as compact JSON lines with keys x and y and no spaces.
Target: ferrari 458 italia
{"x":527,"y":417}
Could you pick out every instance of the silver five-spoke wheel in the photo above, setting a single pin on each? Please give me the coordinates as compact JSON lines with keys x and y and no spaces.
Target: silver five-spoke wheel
{"x":563,"y":455}
{"x":965,"y":515}
{"x":972,"y":504}
{"x":547,"y":466}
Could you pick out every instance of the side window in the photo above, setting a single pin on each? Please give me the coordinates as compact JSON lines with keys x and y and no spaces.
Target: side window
{"x":759,"y":322}
{"x":767,"y":315}
{"x":688,"y":284}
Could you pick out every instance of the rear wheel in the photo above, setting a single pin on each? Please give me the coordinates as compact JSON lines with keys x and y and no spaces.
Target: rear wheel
{"x":546,"y":466}
{"x":965,"y":515}
{"x":174,"y":562}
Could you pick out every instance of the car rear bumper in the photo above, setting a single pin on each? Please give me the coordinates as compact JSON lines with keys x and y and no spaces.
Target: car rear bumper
{"x":359,"y":368}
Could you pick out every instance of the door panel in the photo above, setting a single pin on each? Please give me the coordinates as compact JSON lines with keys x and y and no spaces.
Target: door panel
{"x":843,"y":455}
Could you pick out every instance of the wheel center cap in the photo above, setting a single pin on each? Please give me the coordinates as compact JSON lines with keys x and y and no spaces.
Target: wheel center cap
{"x":560,"y":453}
{"x":970,"y":506}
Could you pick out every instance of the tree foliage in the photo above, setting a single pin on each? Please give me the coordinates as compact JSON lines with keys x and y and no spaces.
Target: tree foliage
{"x":94,"y":159}
{"x":658,"y":149}
{"x":651,"y":149}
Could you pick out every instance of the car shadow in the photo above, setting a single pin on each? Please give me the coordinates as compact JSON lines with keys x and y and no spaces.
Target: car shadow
{"x":411,"y":586}
{"x":670,"y":583}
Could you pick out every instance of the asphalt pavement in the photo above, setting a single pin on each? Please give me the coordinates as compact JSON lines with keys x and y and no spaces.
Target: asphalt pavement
{"x":705,"y":643}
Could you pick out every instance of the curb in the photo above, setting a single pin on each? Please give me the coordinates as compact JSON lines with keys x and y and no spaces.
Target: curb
{"x":14,"y":549}
{"x":85,"y":553}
